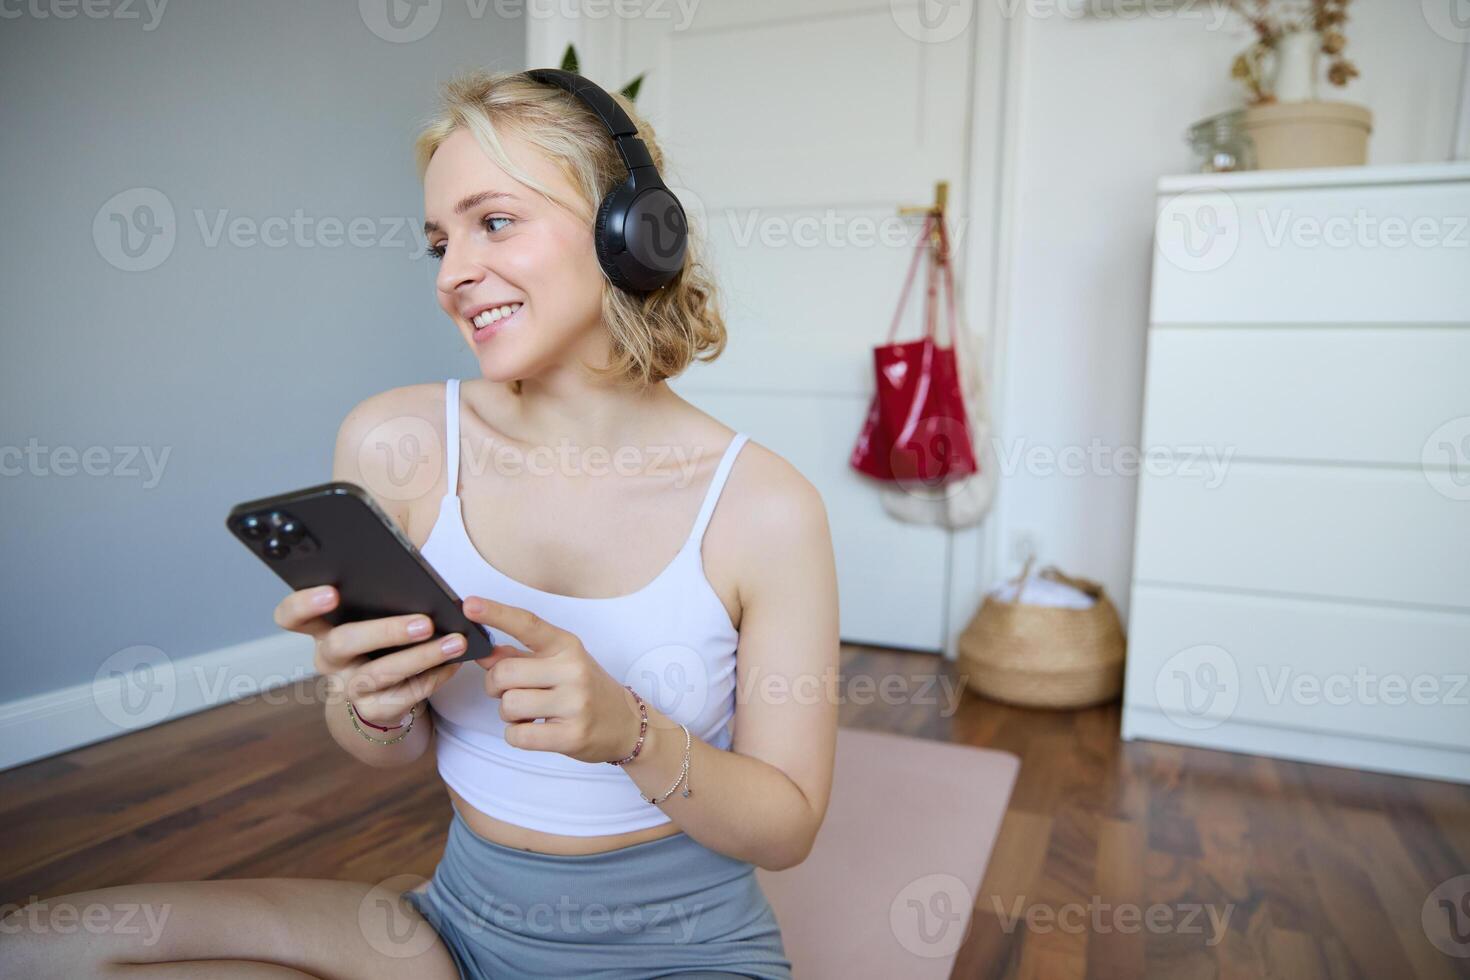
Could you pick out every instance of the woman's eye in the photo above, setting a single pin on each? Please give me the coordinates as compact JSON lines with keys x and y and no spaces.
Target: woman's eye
{"x":437,"y":251}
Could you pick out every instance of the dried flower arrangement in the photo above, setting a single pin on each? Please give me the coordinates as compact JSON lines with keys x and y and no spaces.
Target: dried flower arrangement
{"x":1273,"y":20}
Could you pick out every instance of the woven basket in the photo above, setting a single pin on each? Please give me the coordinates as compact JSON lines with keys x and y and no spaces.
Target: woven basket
{"x":1045,"y":657}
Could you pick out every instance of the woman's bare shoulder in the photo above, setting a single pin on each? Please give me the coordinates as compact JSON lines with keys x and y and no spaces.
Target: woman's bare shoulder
{"x":392,"y":444}
{"x":397,"y":412}
{"x":769,"y":537}
{"x":770,"y":501}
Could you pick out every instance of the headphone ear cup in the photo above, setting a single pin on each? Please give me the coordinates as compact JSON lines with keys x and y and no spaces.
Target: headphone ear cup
{"x":600,"y":237}
{"x":656,"y":236}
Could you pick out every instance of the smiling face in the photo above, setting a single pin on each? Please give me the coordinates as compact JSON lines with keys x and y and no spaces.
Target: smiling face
{"x":518,"y":274}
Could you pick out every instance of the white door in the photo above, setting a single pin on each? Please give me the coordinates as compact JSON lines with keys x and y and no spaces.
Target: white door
{"x":794,"y":129}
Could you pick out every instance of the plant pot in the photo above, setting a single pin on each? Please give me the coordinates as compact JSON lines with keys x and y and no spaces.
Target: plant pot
{"x":1290,"y":135}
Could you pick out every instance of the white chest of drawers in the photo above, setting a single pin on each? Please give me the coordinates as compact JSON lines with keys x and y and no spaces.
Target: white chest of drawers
{"x":1301,"y":571}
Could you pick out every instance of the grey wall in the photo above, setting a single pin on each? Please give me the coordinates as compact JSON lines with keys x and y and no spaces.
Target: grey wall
{"x":237,"y":361}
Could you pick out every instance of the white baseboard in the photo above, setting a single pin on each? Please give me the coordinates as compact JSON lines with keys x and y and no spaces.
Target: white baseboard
{"x":1300,"y":745}
{"x":140,"y":687}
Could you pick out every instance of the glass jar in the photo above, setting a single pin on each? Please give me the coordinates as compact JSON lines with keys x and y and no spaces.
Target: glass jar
{"x":1220,"y":145}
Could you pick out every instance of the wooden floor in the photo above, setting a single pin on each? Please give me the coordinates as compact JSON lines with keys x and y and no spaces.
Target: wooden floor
{"x":1322,"y":872}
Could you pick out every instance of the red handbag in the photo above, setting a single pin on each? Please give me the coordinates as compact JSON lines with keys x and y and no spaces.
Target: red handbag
{"x":916,"y":430}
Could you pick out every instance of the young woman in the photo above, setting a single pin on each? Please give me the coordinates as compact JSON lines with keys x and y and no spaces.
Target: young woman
{"x":658,"y":719}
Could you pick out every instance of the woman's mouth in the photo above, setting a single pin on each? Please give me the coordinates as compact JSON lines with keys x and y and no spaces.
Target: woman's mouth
{"x":487,"y":323}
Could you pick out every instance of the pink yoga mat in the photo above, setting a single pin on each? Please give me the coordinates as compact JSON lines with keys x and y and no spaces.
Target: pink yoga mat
{"x":889,"y":886}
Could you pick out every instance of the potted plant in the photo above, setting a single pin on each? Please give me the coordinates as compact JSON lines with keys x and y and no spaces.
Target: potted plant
{"x":569,"y":63}
{"x":1289,"y":125}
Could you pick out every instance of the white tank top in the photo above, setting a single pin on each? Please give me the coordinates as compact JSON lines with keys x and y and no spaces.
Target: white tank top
{"x":671,"y":641}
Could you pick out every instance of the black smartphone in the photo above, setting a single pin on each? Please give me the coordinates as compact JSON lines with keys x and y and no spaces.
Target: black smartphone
{"x":334,"y":534}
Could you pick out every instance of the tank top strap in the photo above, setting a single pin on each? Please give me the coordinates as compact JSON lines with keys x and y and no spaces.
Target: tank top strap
{"x":712,"y":495}
{"x":451,"y":435}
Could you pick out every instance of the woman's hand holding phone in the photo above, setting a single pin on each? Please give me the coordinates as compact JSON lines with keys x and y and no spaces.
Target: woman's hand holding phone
{"x":382,"y":689}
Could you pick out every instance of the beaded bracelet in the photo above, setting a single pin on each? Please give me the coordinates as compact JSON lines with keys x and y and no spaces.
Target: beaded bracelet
{"x":642,"y":730}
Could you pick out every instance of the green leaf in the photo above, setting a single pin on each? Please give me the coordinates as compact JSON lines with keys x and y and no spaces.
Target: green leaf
{"x":630,"y":91}
{"x":569,"y":60}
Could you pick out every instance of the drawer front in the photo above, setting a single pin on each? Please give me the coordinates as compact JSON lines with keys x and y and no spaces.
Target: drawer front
{"x":1370,"y":671}
{"x":1329,"y":531}
{"x":1372,"y":395}
{"x":1372,"y":254}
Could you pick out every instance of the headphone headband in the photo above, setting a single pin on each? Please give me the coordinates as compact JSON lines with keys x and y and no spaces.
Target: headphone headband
{"x":607,"y":109}
{"x":641,"y":233}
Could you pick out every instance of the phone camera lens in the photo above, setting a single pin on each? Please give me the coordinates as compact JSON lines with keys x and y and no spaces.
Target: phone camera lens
{"x":252,"y":527}
{"x":289,"y":530}
{"x":276,"y":548}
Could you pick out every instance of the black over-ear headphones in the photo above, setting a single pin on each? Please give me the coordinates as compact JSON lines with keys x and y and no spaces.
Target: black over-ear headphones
{"x":641,"y":234}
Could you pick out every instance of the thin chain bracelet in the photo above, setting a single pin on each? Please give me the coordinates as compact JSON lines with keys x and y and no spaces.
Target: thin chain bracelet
{"x":683,"y":775}
{"x":413,"y":713}
{"x":642,"y":730}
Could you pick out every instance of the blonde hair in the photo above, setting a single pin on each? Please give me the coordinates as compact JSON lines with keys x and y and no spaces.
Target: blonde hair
{"x":654,"y":336}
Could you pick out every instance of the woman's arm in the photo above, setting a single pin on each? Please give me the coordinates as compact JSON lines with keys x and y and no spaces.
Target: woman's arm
{"x":764,"y":800}
{"x":368,"y":453}
{"x":419,"y":739}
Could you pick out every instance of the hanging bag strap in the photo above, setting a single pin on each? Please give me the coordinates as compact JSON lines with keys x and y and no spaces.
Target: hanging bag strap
{"x":939,"y":265}
{"x":947,"y":266}
{"x":909,"y":280}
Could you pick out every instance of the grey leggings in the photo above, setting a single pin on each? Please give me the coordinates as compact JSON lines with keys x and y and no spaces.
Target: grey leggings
{"x":664,"y":908}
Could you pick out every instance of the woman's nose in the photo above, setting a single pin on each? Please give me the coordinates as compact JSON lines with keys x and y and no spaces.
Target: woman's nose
{"x":457,"y":269}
